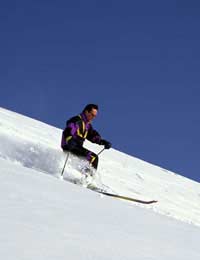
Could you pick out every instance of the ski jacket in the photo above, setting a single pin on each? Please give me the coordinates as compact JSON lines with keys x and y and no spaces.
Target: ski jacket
{"x":77,"y":130}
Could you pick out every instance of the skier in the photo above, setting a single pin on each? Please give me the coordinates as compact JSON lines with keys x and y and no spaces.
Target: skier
{"x":79,"y":128}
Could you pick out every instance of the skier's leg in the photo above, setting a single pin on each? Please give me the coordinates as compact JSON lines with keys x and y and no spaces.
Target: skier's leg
{"x":93,"y":159}
{"x":90,"y":156}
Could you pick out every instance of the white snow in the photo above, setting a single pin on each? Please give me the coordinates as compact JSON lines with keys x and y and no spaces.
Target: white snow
{"x":43,"y":217}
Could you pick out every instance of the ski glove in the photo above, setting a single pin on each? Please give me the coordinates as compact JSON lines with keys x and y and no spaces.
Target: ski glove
{"x":106,"y":144}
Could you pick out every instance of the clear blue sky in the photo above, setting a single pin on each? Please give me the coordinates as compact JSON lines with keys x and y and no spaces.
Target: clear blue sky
{"x":139,"y":60}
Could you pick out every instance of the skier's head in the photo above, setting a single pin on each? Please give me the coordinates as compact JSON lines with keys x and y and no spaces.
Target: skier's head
{"x":90,"y":111}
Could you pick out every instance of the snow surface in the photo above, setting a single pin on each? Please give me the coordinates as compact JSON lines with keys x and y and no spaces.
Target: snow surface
{"x":43,"y":217}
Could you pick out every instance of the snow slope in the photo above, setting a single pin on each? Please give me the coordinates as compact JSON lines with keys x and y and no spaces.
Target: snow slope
{"x":43,"y":217}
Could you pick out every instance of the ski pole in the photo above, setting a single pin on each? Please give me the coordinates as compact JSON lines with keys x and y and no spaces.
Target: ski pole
{"x":101,"y":151}
{"x":100,"y":179}
{"x":65,"y":164}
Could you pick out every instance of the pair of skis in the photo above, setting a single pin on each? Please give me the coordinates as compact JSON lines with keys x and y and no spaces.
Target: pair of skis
{"x":104,"y":191}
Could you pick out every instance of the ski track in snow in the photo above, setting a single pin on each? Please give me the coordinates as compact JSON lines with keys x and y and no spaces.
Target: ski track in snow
{"x":33,"y":144}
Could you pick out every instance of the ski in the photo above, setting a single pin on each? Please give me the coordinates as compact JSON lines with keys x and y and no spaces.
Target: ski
{"x":125,"y":197}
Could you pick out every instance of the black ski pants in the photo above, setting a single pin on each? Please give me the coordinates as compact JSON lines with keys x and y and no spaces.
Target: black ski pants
{"x":85,"y":153}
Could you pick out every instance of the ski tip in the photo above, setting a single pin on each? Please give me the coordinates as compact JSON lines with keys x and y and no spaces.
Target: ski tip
{"x":153,"y":201}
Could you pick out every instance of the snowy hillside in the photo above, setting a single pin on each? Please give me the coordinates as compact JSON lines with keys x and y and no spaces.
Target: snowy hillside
{"x":43,"y":217}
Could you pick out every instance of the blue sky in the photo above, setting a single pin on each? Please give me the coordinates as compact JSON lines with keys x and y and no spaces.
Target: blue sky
{"x":139,"y":60}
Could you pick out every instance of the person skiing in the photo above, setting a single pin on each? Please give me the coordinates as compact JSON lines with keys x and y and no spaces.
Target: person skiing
{"x":79,"y":128}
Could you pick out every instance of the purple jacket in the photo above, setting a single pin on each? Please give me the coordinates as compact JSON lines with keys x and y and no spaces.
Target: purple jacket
{"x":77,"y":130}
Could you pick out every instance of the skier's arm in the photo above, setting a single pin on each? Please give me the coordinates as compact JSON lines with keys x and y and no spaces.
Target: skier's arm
{"x":93,"y":135}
